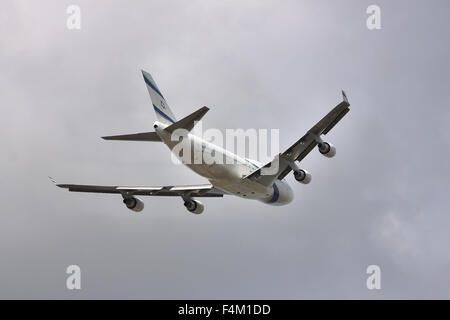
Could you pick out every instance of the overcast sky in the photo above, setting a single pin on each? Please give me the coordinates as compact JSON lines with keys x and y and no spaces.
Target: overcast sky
{"x":383,"y":200}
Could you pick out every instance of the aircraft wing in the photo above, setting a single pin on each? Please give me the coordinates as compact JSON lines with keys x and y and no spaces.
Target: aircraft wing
{"x":202,"y":190}
{"x":300,"y":149}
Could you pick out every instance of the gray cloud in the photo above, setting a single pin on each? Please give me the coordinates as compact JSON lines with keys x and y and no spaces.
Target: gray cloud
{"x":262,"y":64}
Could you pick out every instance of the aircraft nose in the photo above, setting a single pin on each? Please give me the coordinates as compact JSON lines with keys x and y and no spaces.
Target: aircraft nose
{"x":283,"y":194}
{"x":287,"y":196}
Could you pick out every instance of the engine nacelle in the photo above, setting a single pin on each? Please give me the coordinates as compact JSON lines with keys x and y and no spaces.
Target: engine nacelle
{"x":327,"y":149}
{"x":194,"y":206}
{"x":134,"y":204}
{"x":302,"y":176}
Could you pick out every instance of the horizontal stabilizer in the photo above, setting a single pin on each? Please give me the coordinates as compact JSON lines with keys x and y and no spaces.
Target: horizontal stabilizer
{"x":144,"y":136}
{"x":188,"y":122}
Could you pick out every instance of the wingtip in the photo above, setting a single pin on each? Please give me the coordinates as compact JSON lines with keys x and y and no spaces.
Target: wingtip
{"x":344,"y":96}
{"x":55,"y":183}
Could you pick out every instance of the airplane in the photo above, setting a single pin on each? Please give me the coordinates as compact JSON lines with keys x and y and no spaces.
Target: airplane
{"x":244,"y":177}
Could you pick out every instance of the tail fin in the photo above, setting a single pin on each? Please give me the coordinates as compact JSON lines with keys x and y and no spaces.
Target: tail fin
{"x":163,"y":112}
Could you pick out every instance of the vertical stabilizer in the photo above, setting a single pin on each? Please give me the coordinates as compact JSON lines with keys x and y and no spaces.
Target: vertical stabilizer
{"x":162,"y":109}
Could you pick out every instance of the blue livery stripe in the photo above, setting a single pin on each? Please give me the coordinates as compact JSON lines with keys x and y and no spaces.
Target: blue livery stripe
{"x":252,"y":164}
{"x":163,"y":114}
{"x":276,"y":194}
{"x":152,"y":86}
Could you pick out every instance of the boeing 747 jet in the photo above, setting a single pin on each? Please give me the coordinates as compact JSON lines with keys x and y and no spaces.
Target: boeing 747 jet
{"x":238,"y":176}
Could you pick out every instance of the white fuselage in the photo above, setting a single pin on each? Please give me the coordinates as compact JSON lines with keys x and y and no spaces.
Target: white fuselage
{"x":227,"y":175}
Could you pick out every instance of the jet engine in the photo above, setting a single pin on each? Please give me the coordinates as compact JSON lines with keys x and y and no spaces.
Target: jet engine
{"x":134,"y":204}
{"x":327,"y":149}
{"x":194,"y":206}
{"x":302,"y":176}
